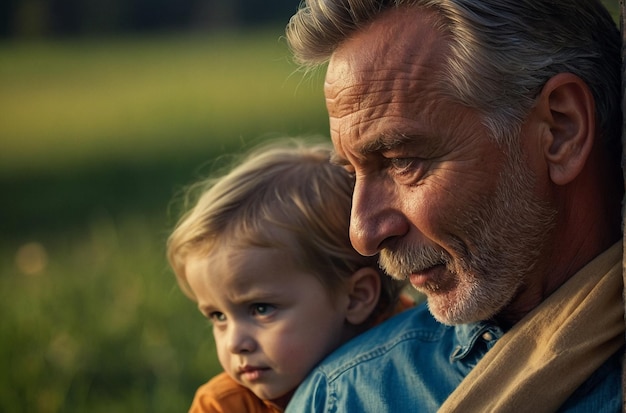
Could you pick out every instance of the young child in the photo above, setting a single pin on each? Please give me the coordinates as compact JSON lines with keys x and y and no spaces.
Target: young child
{"x":266,"y":254}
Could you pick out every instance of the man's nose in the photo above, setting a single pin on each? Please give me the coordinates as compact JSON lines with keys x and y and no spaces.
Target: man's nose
{"x":374,"y":220}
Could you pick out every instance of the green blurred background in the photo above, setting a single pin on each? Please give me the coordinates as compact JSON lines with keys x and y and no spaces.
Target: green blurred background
{"x":107,"y":111}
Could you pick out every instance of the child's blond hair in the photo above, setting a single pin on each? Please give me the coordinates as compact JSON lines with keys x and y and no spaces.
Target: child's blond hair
{"x":289,"y":188}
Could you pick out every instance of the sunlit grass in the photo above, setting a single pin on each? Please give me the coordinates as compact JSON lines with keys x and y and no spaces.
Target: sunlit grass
{"x":83,"y":101}
{"x":100,"y":324}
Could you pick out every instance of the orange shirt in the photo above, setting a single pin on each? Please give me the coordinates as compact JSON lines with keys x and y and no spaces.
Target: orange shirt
{"x":222,"y":394}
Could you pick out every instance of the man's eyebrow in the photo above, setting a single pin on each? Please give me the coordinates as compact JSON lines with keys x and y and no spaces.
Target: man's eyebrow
{"x":382,"y":143}
{"x":385,"y":142}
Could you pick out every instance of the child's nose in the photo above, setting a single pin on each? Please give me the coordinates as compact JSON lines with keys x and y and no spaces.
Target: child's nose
{"x":240,"y":339}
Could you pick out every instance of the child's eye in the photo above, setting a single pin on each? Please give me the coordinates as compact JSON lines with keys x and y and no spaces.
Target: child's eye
{"x":262,"y":309}
{"x":217,"y":317}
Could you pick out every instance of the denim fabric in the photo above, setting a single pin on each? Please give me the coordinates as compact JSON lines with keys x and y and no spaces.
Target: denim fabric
{"x":412,"y":363}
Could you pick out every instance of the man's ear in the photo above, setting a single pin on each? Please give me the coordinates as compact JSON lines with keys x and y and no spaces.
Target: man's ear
{"x":567,"y":106}
{"x":363,"y":295}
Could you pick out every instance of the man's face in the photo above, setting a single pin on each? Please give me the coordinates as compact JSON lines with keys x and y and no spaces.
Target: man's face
{"x":446,"y":206}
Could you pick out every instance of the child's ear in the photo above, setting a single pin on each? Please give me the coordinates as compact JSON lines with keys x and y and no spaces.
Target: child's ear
{"x":364,"y":291}
{"x":567,"y":106}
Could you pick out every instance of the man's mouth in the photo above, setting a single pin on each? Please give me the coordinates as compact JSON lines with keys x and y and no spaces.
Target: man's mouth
{"x":427,"y":278}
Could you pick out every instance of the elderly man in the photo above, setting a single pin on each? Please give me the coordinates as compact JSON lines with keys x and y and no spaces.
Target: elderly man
{"x":484,"y":137}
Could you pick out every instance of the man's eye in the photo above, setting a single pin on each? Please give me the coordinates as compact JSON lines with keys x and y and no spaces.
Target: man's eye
{"x":402,"y":165}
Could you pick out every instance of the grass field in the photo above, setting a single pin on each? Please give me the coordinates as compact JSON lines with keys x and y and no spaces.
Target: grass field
{"x":96,"y":139}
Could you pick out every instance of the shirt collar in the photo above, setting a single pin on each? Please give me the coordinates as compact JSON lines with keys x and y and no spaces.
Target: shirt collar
{"x":466,"y":336}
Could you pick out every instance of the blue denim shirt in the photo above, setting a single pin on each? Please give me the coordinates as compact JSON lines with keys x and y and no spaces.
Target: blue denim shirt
{"x":412,"y":363}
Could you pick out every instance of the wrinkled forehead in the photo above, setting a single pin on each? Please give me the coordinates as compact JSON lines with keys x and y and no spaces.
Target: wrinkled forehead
{"x":396,"y":60}
{"x":399,"y":40}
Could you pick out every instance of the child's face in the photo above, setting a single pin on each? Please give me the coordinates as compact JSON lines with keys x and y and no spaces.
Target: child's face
{"x":272,"y":322}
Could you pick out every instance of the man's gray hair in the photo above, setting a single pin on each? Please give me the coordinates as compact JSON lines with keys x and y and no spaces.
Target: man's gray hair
{"x":502,"y":51}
